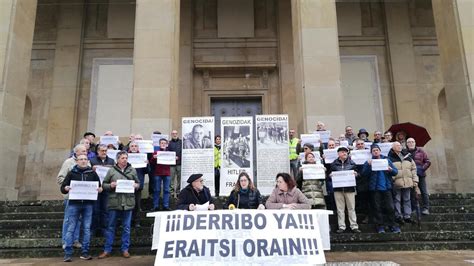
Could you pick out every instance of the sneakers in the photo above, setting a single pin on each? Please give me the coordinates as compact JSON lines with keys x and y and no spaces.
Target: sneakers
{"x":104,"y":255}
{"x":425,"y":212}
{"x":67,"y":258}
{"x":126,"y":255}
{"x":340,"y":231}
{"x":380,"y":230}
{"x":77,"y":244}
{"x":408,"y":220}
{"x":85,"y":257}
{"x":355,"y":230}
{"x":399,"y":221}
{"x":396,"y":230}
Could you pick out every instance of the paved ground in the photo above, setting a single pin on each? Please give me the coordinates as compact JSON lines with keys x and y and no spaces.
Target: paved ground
{"x":463,"y":257}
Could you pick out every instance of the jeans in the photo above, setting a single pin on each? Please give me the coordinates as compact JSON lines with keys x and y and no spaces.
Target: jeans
{"x":157,"y":191}
{"x":77,"y":231}
{"x":294,"y":168}
{"x":99,"y":220}
{"x":126,"y":217}
{"x":74,"y":211}
{"x":402,"y":202}
{"x":382,"y":203}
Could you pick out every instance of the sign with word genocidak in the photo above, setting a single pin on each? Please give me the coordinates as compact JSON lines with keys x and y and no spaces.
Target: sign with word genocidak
{"x":274,"y":237}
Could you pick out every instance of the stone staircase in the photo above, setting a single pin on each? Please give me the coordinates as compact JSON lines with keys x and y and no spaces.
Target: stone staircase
{"x":33,"y":229}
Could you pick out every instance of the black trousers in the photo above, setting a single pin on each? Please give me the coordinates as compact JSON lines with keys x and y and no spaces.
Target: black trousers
{"x":363,"y":203}
{"x":382,"y":204}
{"x":217,"y":180}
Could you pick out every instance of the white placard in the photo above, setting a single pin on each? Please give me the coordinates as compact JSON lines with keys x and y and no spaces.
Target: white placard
{"x":379,"y":165}
{"x":272,"y":150}
{"x":83,"y":190}
{"x":101,"y":172}
{"x":344,"y":143}
{"x":155,"y":138}
{"x":311,"y":139}
{"x":385,"y":147}
{"x":343,"y":179}
{"x":281,"y":236}
{"x":145,"y":146}
{"x":316,"y":154}
{"x":137,"y":160}
{"x":360,"y":156}
{"x":107,"y":140}
{"x":324,"y":135}
{"x":166,"y":157}
{"x":313,"y":171}
{"x":202,"y":207}
{"x":112,"y":154}
{"x":125,"y":186}
{"x":367,"y":145}
{"x":330,"y":155}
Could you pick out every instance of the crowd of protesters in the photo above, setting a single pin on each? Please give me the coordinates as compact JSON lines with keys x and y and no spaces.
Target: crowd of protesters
{"x":384,"y":198}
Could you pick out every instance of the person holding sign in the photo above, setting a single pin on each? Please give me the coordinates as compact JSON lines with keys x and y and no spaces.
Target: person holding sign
{"x":195,"y":194}
{"x":344,"y":194}
{"x":404,"y":181}
{"x":244,"y":195}
{"x":119,"y":204}
{"x":362,"y":185}
{"x":162,"y":175}
{"x":77,"y":207}
{"x":380,"y":187}
{"x":286,"y":195}
{"x":312,"y":188}
{"x":141,"y":172}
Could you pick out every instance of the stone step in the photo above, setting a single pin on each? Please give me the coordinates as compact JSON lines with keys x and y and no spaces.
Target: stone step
{"x":403,"y":245}
{"x":435,"y":196}
{"x":58,"y":252}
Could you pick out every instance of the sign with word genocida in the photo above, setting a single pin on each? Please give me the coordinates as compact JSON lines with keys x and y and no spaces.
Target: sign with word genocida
{"x":239,"y":236}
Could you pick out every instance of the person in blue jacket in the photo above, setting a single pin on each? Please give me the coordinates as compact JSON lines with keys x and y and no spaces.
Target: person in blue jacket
{"x":380,"y":188}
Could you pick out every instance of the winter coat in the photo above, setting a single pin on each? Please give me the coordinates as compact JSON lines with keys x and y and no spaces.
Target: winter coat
{"x":379,"y":180}
{"x":176,"y":145}
{"x":107,"y":162}
{"x":249,"y":199}
{"x":406,"y":170}
{"x":160,"y":169}
{"x":421,"y":160}
{"x":78,"y":174}
{"x":189,"y":196}
{"x":67,"y":166}
{"x":120,"y":201}
{"x":339,"y":165}
{"x":278,"y":198}
{"x":312,"y":189}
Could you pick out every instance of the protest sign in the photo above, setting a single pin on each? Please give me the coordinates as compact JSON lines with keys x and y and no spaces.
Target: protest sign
{"x":379,"y":165}
{"x":343,"y":179}
{"x":385,"y":148}
{"x":312,"y":139}
{"x":324,"y":135}
{"x":198,"y":150}
{"x":313,"y":171}
{"x":367,"y":145}
{"x":344,"y":143}
{"x":155,"y":138}
{"x":83,"y":190}
{"x":316,"y":154}
{"x":112,"y":154}
{"x":236,"y":151}
{"x":272,"y":150}
{"x":241,"y":237}
{"x":330,"y":155}
{"x":101,"y":172}
{"x":125,"y":186}
{"x":202,"y":207}
{"x":166,"y":157}
{"x":145,"y":146}
{"x":137,"y":160}
{"x":107,"y":140}
{"x":360,"y":156}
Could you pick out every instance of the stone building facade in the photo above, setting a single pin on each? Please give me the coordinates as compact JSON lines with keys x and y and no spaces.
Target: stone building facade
{"x":70,"y":66}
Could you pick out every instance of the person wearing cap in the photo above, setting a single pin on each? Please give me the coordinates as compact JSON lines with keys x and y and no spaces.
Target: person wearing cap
{"x":363,"y":134}
{"x":344,"y":196}
{"x":194,"y":193}
{"x":380,"y":187}
{"x":91,"y":137}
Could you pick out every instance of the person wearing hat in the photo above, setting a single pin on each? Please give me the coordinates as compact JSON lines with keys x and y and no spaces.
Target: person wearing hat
{"x":363,"y":134}
{"x":344,"y":196}
{"x":380,"y":189}
{"x":195,"y":193}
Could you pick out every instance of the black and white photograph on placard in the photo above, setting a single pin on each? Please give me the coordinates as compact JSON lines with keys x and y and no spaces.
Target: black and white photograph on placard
{"x":272,"y":133}
{"x":236,"y":146}
{"x":197,"y":136}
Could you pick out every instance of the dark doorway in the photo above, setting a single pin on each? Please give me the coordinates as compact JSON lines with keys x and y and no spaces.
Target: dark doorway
{"x":230,"y":107}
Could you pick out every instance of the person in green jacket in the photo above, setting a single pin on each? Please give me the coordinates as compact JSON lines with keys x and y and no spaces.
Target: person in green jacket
{"x":119,"y":204}
{"x":217,"y":163}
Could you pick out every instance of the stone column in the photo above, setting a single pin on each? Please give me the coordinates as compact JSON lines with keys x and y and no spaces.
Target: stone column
{"x":62,"y":109}
{"x":455,"y":29}
{"x":402,"y":57}
{"x":155,"y":59}
{"x":317,"y":64}
{"x":17,"y":23}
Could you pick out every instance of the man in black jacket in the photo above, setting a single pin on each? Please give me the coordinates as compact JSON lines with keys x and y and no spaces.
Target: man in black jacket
{"x":176,"y":145}
{"x":195,"y":194}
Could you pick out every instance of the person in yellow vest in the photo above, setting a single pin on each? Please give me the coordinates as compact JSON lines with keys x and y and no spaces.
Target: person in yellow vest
{"x":217,"y":163}
{"x":295,"y":148}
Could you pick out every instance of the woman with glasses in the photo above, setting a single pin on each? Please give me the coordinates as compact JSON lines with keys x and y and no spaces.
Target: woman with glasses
{"x":244,"y":195}
{"x":195,"y":194}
